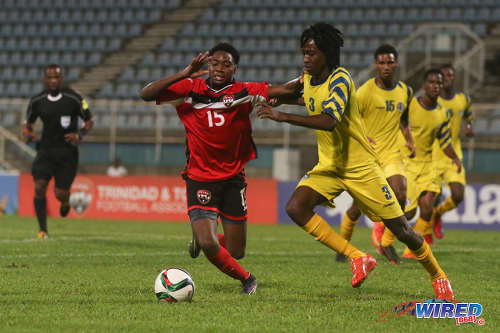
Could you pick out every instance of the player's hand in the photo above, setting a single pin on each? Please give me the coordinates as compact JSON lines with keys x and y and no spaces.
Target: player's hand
{"x":274,"y":102}
{"x":72,"y":138}
{"x":267,"y":112}
{"x":468,"y":131}
{"x":371,"y":141}
{"x":194,"y":68}
{"x":28,"y":134}
{"x":458,"y":163}
{"x":411,"y":148}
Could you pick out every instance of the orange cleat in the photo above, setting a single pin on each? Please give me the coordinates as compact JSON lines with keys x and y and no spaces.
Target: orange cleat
{"x":43,"y":235}
{"x":360,"y":268}
{"x":442,"y":288}
{"x":377,"y":232}
{"x":428,"y":239}
{"x":438,"y":226}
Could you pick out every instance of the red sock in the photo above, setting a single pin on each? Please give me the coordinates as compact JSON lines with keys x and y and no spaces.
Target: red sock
{"x":223,"y":261}
{"x":222,"y":240}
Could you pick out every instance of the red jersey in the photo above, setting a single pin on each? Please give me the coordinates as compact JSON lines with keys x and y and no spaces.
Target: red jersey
{"x":219,"y":145}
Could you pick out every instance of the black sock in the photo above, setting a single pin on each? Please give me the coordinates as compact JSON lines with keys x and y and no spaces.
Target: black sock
{"x":41,"y":213}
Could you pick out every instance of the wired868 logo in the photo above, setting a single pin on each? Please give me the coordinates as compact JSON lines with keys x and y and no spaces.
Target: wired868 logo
{"x":437,"y":309}
{"x":462,"y":312}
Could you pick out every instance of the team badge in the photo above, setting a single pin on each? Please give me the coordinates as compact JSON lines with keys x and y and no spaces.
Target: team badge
{"x":227,"y":100}
{"x":400,"y":106}
{"x":204,"y":196}
{"x":65,"y":121}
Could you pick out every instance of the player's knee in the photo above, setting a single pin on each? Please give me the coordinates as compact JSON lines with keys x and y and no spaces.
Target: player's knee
{"x":40,"y":190}
{"x":209,"y":246}
{"x":294,"y":210}
{"x":403,"y":233}
{"x":426,"y":208}
{"x":237,"y":253}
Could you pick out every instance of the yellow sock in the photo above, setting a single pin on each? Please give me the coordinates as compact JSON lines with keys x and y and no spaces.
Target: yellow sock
{"x":324,"y":233}
{"x":347,"y":227}
{"x":447,"y":205}
{"x":387,"y":238}
{"x":426,"y":258}
{"x":423,"y":227}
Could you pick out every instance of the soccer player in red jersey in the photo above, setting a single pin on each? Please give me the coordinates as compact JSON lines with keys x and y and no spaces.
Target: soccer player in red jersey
{"x":216,"y":116}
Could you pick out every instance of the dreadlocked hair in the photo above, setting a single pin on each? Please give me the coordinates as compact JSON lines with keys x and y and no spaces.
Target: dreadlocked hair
{"x":328,"y":39}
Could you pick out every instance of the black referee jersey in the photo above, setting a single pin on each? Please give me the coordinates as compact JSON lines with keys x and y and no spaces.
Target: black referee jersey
{"x":59,"y":115}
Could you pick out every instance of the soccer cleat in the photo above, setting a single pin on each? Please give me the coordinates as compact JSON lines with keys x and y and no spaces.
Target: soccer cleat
{"x":377,"y":232}
{"x":438,"y":226}
{"x":428,"y":239}
{"x":391,"y":254}
{"x":43,"y":235}
{"x":360,"y":268}
{"x":442,"y":288}
{"x":249,"y":286}
{"x":340,"y":257}
{"x":64,"y":209}
{"x":194,"y":248}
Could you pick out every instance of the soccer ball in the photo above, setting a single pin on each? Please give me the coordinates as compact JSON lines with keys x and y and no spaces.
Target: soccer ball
{"x":174,"y":285}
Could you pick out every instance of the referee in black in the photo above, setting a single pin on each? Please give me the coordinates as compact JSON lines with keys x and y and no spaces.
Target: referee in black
{"x":57,"y":150}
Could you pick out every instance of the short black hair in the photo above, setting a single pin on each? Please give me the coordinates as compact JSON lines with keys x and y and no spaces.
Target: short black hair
{"x":385,"y":49}
{"x":226,"y":47}
{"x":450,"y":66}
{"x":430,"y":72}
{"x":327,"y":38}
{"x":52,"y":66}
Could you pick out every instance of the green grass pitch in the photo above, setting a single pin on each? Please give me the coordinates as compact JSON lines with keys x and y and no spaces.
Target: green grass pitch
{"x":98,"y":276}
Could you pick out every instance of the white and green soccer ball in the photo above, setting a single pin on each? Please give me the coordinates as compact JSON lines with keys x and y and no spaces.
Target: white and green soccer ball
{"x":174,"y":285}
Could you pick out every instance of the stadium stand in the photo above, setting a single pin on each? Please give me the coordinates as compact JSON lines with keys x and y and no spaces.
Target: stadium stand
{"x":111,"y":48}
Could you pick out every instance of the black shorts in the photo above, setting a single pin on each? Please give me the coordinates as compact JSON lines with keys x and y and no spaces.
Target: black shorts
{"x":227,"y":198}
{"x":60,"y":163}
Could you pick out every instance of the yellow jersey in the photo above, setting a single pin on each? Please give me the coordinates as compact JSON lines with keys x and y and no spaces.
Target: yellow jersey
{"x":457,"y":108}
{"x":346,"y":148}
{"x":381,"y":110}
{"x":427,"y":125}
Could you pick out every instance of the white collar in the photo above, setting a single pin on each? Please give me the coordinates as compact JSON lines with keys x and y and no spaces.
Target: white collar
{"x":221,"y":89}
{"x":54,"y":98}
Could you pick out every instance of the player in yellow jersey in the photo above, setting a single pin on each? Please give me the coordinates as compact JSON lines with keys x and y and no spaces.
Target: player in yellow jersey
{"x":346,"y":160}
{"x":458,"y":107}
{"x":383,"y":103}
{"x":428,"y":123}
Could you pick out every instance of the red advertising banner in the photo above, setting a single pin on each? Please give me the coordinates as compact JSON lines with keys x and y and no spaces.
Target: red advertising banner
{"x":141,"y":198}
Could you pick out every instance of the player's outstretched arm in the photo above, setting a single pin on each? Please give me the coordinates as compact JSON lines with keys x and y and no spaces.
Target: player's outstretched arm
{"x":154,"y":89}
{"x":450,"y":152}
{"x":321,"y":121}
{"x":290,"y":100}
{"x":290,"y":90}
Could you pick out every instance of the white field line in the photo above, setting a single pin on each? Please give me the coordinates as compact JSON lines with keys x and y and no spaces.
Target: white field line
{"x":90,"y":238}
{"x":184,"y":253}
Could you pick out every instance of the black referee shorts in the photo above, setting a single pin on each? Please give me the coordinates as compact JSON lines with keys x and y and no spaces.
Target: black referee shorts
{"x":60,"y":163}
